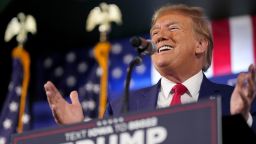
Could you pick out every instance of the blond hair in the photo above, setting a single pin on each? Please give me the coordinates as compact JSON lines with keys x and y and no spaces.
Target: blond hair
{"x":201,"y":25}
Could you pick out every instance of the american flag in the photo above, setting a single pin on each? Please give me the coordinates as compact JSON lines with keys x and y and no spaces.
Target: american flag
{"x":74,"y":70}
{"x":234,"y":50}
{"x":234,"y":45}
{"x":10,"y":113}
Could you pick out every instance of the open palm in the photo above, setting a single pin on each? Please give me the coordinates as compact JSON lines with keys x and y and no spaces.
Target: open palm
{"x":63,"y":112}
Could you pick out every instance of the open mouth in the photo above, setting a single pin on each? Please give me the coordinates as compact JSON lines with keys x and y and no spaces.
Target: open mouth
{"x":164,"y":48}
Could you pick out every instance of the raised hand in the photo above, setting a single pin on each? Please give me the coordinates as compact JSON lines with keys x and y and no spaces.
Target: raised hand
{"x":63,"y":112}
{"x":244,"y":93}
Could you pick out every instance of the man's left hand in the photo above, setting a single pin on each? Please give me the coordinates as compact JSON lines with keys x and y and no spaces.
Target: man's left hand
{"x":244,"y":93}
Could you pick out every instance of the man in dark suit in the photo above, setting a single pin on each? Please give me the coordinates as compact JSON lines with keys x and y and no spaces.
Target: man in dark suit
{"x":148,"y":98}
{"x":184,"y":51}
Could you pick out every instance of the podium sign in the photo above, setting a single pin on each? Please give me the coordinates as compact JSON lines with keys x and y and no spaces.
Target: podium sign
{"x":195,"y":123}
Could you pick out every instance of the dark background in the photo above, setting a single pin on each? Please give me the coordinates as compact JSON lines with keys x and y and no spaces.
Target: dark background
{"x":61,"y":25}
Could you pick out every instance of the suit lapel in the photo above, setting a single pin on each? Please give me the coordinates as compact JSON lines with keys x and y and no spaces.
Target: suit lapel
{"x":207,"y":89}
{"x":147,"y":98}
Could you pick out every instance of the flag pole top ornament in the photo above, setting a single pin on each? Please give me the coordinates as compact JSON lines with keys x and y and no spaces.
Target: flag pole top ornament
{"x":103,"y":15}
{"x":20,"y":26}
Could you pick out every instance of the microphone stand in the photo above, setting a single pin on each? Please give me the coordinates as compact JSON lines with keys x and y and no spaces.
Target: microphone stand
{"x":136,"y":61}
{"x":143,"y":47}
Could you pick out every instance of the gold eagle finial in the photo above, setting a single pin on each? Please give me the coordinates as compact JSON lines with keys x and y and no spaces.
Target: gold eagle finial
{"x":20,"y":26}
{"x":103,"y":15}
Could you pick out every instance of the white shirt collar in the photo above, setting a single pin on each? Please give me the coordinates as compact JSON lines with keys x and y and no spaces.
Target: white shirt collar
{"x":192,"y":84}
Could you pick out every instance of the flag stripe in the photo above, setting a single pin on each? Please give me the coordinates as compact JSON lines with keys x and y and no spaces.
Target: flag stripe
{"x":155,"y":76}
{"x":241,"y":43}
{"x":254,"y":36}
{"x":209,"y":72}
{"x":221,"y":51}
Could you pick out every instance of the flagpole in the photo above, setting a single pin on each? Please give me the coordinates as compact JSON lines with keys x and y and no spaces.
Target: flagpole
{"x":103,"y":16}
{"x":19,"y":27}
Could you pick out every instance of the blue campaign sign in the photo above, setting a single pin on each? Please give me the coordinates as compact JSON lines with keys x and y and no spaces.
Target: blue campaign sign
{"x":196,"y":123}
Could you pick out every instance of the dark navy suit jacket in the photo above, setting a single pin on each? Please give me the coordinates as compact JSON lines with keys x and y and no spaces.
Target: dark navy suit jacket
{"x":146,"y":99}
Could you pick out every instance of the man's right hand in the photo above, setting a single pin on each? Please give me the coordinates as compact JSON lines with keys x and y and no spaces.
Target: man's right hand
{"x":63,"y":112}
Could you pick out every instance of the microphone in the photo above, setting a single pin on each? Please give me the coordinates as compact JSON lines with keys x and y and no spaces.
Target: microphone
{"x":143,"y":46}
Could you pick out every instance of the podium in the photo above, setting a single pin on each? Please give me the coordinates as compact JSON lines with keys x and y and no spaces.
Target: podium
{"x":195,"y":123}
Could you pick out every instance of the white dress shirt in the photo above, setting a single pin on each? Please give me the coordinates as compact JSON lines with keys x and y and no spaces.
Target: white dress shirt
{"x":192,"y":84}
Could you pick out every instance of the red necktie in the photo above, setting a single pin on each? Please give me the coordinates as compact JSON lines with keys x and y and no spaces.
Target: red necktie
{"x":178,"y":90}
